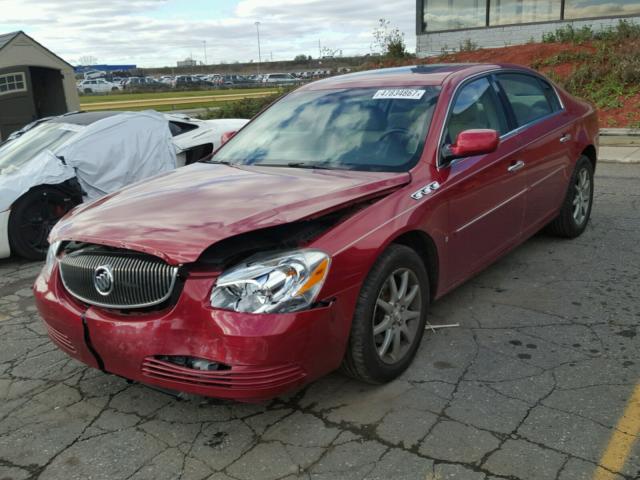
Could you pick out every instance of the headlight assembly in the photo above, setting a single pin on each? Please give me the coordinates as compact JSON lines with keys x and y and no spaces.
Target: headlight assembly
{"x":272,"y":283}
{"x":51,"y":259}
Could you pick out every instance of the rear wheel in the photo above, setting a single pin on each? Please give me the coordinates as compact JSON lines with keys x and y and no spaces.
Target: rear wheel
{"x":576,"y":208}
{"x":389,"y":318}
{"x":32,"y":217}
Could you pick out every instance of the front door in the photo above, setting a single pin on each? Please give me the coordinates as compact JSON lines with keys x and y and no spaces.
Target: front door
{"x":486,"y":193}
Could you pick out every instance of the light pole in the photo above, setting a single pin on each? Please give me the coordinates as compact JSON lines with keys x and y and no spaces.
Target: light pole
{"x":205,"y":51}
{"x":259,"y":53}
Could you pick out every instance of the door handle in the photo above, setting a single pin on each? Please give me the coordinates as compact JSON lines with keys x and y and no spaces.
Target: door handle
{"x":516,"y":166}
{"x":565,"y":138}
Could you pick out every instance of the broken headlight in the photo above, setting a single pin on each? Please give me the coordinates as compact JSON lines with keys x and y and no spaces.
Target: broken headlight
{"x":51,"y":259}
{"x":272,"y":283}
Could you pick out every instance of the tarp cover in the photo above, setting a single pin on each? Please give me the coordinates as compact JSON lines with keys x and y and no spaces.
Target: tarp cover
{"x":119,"y":150}
{"x":44,"y":168}
{"x":105,"y":156}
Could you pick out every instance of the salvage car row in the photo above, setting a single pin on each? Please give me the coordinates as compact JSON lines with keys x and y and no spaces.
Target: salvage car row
{"x":106,"y":83}
{"x":317,"y":236}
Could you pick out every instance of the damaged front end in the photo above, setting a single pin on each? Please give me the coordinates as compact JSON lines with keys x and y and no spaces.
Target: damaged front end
{"x":273,"y":270}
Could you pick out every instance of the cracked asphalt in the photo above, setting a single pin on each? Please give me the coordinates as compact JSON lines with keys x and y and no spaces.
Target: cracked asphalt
{"x":531,"y":386}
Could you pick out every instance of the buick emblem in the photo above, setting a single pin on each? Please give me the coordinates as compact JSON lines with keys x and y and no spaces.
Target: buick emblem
{"x":103,"y":280}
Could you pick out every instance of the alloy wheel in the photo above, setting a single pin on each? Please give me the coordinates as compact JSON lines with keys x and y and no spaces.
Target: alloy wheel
{"x":582,"y":197}
{"x":396,"y":316}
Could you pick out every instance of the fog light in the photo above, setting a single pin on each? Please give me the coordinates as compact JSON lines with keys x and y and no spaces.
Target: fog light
{"x":194,"y":363}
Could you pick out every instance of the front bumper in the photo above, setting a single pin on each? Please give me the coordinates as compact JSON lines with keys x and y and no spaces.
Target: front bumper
{"x":266,"y":355}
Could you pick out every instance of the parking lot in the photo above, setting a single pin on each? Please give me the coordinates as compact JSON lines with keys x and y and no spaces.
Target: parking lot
{"x":537,"y":382}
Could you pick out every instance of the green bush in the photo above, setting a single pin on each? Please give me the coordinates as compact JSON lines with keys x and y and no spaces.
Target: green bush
{"x":610,"y":74}
{"x":245,"y":108}
{"x":562,"y":57}
{"x":624,"y":30}
{"x":569,"y":34}
{"x":468,"y":45}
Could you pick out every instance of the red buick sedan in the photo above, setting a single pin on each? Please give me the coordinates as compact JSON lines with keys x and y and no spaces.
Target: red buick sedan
{"x":319,"y":234}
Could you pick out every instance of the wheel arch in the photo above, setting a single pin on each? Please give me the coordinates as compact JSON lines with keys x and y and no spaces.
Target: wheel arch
{"x":590,"y":153}
{"x":423,"y":244}
{"x":70,"y":187}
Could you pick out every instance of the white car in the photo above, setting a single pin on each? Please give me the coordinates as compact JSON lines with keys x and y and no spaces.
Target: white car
{"x":280,"y":78}
{"x":93,"y":74}
{"x":54,"y":164}
{"x":98,"y":85}
{"x":195,"y":139}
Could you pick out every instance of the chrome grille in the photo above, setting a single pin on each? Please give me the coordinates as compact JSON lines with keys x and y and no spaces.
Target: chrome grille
{"x":138,"y":280}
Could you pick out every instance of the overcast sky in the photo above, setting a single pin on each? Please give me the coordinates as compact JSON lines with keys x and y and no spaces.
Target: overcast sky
{"x":159,"y":32}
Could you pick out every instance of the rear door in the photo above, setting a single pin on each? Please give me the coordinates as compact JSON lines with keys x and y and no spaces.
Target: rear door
{"x":543,"y":130}
{"x":486,"y":192}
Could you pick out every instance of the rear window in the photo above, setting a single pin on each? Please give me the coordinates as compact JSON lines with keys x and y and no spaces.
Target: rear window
{"x":530,"y":97}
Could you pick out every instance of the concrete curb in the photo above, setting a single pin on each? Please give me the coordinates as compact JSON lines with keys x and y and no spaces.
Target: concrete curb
{"x":619,"y":136}
{"x":619,"y":145}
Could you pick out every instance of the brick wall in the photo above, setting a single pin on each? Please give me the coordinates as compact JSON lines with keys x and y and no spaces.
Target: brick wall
{"x":435,"y":43}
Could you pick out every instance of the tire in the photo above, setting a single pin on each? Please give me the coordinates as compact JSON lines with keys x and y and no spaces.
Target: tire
{"x":88,"y":90}
{"x":114,"y":89}
{"x":32,"y":217}
{"x":363,"y":360}
{"x":570,"y":224}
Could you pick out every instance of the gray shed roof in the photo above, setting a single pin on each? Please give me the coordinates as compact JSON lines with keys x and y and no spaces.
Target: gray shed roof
{"x":6,"y":38}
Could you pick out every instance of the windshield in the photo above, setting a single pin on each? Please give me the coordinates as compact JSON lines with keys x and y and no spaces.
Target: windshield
{"x":46,"y":136}
{"x":360,"y":129}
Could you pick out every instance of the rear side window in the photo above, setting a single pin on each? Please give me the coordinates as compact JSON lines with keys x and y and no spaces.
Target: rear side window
{"x":178,"y":128}
{"x":530,"y":98}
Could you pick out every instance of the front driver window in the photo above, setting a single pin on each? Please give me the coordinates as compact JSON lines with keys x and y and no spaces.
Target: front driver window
{"x":475,"y":106}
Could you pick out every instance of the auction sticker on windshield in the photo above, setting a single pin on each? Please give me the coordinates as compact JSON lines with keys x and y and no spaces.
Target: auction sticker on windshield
{"x":399,"y":93}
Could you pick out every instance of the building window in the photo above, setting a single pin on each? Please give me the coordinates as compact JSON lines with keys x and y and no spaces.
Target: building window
{"x":509,"y":12}
{"x":574,"y":9}
{"x":12,"y":82}
{"x":442,"y":15}
{"x":454,"y":14}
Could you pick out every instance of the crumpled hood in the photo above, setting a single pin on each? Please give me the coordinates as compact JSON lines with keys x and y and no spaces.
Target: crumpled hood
{"x":179,"y":214}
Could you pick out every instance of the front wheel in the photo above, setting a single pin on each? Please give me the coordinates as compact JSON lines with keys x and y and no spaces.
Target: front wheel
{"x":31,"y":219}
{"x":389,"y":318}
{"x":576,"y":208}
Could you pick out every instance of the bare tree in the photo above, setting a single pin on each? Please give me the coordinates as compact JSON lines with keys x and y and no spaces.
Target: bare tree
{"x":87,"y":60}
{"x":388,"y":40}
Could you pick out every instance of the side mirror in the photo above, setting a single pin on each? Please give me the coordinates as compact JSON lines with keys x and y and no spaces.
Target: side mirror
{"x":473,"y":142}
{"x":226,"y":136}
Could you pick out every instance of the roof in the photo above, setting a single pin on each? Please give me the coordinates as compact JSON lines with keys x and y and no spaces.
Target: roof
{"x":7,"y":38}
{"x":83,"y":118}
{"x":434,"y":74}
